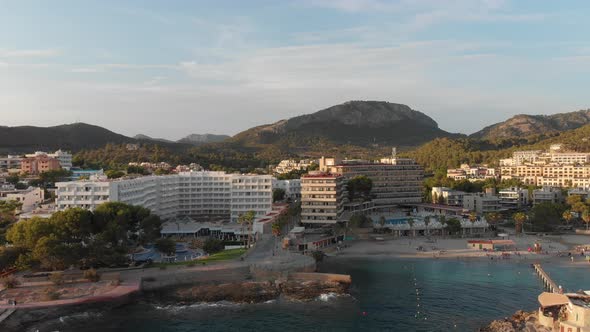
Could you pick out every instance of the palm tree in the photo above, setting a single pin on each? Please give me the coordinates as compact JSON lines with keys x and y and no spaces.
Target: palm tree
{"x":519,"y":219}
{"x":473,"y":219}
{"x":567,"y":216}
{"x":586,"y":217}
{"x":247,"y":219}
{"x":426,"y":223}
{"x":411,"y":223}
{"x":442,"y":220}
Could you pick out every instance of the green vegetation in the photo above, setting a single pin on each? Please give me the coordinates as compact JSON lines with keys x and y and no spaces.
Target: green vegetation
{"x":225,"y":255}
{"x":519,"y":219}
{"x":453,"y":226}
{"x":166,"y":246}
{"x":545,"y":215}
{"x":278,"y":194}
{"x":114,"y":174}
{"x":213,"y":246}
{"x":81,"y":238}
{"x":47,"y":179}
{"x":8,"y":211}
{"x":359,"y":220}
{"x":359,"y":187}
{"x":247,"y":219}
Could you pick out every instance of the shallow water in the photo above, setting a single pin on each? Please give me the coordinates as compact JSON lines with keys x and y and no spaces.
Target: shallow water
{"x":387,"y":295}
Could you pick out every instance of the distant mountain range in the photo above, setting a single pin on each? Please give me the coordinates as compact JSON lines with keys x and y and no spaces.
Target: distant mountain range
{"x":523,"y":125}
{"x":359,"y":123}
{"x":193,"y":139}
{"x":368,"y":127}
{"x":197,"y":139}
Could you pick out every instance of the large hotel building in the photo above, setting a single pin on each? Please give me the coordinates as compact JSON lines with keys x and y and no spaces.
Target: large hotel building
{"x":322,"y":198}
{"x":194,"y":194}
{"x":396,"y":181}
{"x":553,"y":169}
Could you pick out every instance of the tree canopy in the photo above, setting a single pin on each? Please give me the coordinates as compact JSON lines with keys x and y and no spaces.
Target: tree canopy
{"x":81,"y":237}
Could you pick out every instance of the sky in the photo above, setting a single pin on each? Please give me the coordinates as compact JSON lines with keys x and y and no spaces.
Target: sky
{"x":172,"y":68}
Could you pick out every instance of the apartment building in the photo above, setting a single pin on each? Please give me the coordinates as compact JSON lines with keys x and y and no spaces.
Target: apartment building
{"x":547,"y":195}
{"x":513,"y":198}
{"x":322,"y":198}
{"x":10,"y":162}
{"x":288,"y":165}
{"x":472,"y":173}
{"x":195,"y":194}
{"x":64,"y":158}
{"x":482,"y":203}
{"x":30,"y":198}
{"x":39,"y":164}
{"x":395,"y":180}
{"x":555,"y":168}
{"x":292,"y":187}
{"x":447,"y":196}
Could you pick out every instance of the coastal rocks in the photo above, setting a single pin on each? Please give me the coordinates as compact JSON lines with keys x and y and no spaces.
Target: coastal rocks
{"x":308,"y":290}
{"x":520,"y":321}
{"x":256,"y":292}
{"x":245,"y":292}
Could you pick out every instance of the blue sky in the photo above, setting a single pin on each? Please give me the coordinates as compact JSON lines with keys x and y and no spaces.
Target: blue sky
{"x":171,"y":68}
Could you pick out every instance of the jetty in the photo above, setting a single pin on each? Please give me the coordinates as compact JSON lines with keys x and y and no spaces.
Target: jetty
{"x":547,"y":281}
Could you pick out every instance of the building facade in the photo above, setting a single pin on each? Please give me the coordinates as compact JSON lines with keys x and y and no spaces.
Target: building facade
{"x":513,"y":198}
{"x":30,"y":198}
{"x":482,"y":203}
{"x":396,"y":181}
{"x":292,"y":187}
{"x":39,"y":164}
{"x":322,"y":198}
{"x":64,"y":158}
{"x":195,"y":194}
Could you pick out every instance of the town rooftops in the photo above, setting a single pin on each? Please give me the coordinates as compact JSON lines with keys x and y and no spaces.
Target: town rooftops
{"x":321,"y":175}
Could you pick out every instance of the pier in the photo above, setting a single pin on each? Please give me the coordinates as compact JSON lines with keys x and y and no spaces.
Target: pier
{"x":547,"y":281}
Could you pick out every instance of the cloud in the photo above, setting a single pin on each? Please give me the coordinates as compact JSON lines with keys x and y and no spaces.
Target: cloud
{"x":30,"y":53}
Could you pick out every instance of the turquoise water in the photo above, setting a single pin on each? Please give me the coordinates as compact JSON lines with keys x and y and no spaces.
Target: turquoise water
{"x":387,"y":295}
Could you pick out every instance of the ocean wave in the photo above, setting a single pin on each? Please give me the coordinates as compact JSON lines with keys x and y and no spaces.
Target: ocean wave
{"x":199,"y":305}
{"x":80,"y":316}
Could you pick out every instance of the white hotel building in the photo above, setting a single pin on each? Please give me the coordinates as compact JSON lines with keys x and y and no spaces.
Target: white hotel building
{"x":192,"y":194}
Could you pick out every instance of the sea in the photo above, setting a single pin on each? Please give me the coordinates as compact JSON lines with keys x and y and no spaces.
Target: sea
{"x":387,"y":294}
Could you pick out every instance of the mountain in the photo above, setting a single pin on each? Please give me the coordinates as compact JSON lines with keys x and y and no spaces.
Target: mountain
{"x":72,"y":137}
{"x":356,"y":123}
{"x":148,"y":138}
{"x":527,"y":125}
{"x":197,"y":139}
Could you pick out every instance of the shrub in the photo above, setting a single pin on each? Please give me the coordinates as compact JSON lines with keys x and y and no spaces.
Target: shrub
{"x":49,"y":294}
{"x":212,"y":246}
{"x":57,"y":278}
{"x":10,"y":282}
{"x":166,"y":246}
{"x":91,"y":275}
{"x":318,"y":255}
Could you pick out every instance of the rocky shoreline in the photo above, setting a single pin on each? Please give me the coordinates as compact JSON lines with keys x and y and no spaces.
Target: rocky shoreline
{"x":258,"y":291}
{"x":520,"y":321}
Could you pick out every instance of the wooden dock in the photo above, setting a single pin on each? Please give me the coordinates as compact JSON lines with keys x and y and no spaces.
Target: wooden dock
{"x":547,"y":281}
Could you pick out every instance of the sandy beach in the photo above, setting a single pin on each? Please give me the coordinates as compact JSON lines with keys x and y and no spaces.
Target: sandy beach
{"x":555,"y":247}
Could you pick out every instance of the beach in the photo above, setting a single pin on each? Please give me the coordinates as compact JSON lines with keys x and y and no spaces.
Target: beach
{"x":554,"y":247}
